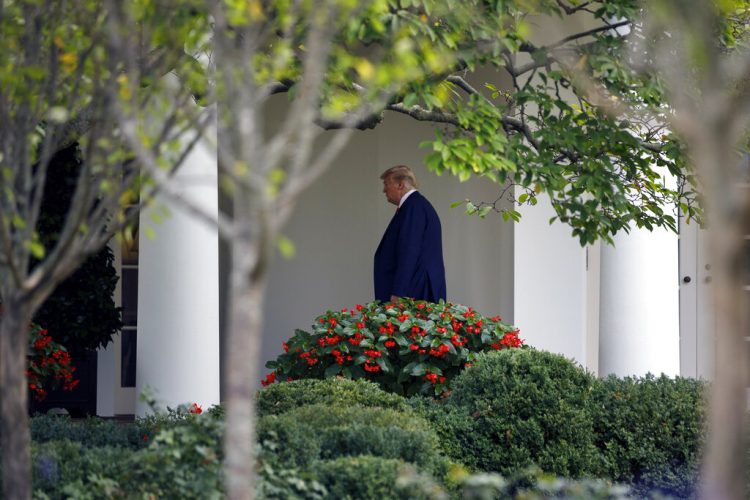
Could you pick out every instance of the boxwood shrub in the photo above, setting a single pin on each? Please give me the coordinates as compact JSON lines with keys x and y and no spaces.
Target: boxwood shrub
{"x":321,"y":431}
{"x":519,"y":407}
{"x":58,"y":464}
{"x":650,"y":430}
{"x":280,"y":398}
{"x":362,"y":477}
{"x":90,"y":432}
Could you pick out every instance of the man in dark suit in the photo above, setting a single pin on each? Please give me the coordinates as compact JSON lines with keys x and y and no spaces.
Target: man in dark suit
{"x":409,"y":259}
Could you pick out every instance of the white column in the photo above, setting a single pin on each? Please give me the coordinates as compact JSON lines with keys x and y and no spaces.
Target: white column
{"x":550,"y":280}
{"x":178,"y":293}
{"x":639,"y":305}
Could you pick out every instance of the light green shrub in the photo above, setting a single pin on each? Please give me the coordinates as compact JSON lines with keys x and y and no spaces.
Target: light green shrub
{"x":280,"y":398}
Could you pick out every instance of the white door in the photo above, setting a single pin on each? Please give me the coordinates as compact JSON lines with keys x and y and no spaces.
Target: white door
{"x":696,"y":312}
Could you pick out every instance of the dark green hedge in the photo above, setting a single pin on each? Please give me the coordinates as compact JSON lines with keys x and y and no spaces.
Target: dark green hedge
{"x":649,"y":431}
{"x":368,"y":477}
{"x":90,"y":433}
{"x":517,"y":408}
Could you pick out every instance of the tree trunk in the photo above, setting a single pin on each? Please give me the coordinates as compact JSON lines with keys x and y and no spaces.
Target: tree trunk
{"x":724,"y":466}
{"x":244,"y":342}
{"x":723,"y":474}
{"x":15,"y":438}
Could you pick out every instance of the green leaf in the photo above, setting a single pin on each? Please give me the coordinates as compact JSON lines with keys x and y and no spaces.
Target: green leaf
{"x":419,"y":370}
{"x":286,"y":246}
{"x":332,"y":370}
{"x":37,"y":249}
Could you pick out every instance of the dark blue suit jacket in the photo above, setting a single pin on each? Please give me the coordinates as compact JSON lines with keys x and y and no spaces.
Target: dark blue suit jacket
{"x":409,"y":259}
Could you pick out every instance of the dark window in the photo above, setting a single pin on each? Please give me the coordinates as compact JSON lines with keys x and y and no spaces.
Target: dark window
{"x":130,"y":296}
{"x":129,"y":345}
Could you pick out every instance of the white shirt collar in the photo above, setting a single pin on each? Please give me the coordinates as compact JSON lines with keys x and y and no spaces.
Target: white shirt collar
{"x":405,"y":196}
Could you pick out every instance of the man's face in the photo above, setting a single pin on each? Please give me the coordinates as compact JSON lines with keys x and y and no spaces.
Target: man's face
{"x":392,"y":190}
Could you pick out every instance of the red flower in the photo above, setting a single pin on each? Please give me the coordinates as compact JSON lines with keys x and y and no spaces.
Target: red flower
{"x":389,"y":344}
{"x":414,"y":347}
{"x":332,"y":321}
{"x":270,"y":379}
{"x":372,"y":368}
{"x":359,"y":307}
{"x":360,"y":324}
{"x":431,"y":377}
{"x":197,"y":410}
{"x":285,"y":346}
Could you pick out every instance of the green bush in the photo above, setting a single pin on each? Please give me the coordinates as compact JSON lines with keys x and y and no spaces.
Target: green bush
{"x":182,"y":460}
{"x":649,"y":431}
{"x":519,"y":407}
{"x":57,"y":464}
{"x":533,"y":484}
{"x":314,"y":432}
{"x":89,"y":433}
{"x":408,"y":347}
{"x":364,"y":477}
{"x":280,"y":398}
{"x":282,"y":483}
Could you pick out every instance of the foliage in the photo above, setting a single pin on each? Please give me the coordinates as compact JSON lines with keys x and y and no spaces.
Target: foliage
{"x":278,"y":482}
{"x":519,"y":407}
{"x":319,"y":431}
{"x":371,"y":477}
{"x":408,"y":347}
{"x":90,"y":432}
{"x":62,"y":468}
{"x":182,"y":459}
{"x":534,"y":124}
{"x":602,"y":165}
{"x":650,"y":431}
{"x":336,"y":392}
{"x":533,"y":484}
{"x":80,"y":313}
{"x":48,"y":364}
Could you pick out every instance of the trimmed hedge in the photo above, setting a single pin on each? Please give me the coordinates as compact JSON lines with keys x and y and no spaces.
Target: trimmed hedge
{"x":59,"y":468}
{"x":320,"y":431}
{"x":89,"y":433}
{"x":280,"y":398}
{"x":516,"y":408}
{"x":368,"y":477}
{"x":512,"y":409}
{"x":650,"y":430}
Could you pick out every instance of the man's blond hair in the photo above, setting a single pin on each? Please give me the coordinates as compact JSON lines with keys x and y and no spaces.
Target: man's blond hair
{"x":400,"y":173}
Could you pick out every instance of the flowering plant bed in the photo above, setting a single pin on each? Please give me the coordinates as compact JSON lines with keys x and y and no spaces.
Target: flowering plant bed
{"x":407,"y":347}
{"x":48,"y":364}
